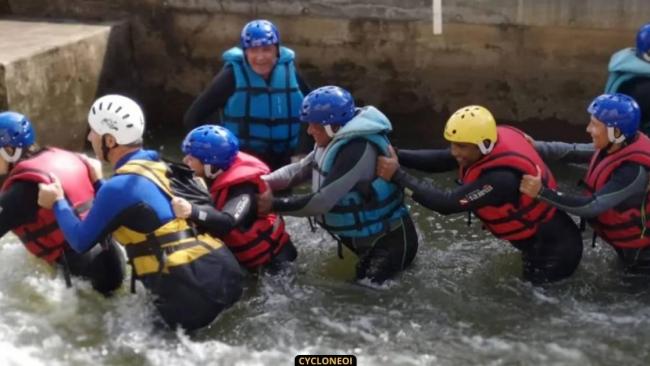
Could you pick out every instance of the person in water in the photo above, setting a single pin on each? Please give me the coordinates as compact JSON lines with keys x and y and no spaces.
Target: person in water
{"x":259,"y":92}
{"x":24,"y":165}
{"x":492,"y":161}
{"x":615,"y":202}
{"x":234,"y":178}
{"x":192,"y":276}
{"x":364,"y":213}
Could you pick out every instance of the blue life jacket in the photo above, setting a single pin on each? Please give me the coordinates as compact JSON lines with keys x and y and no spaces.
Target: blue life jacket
{"x":264,"y":116}
{"x":623,"y":66}
{"x":371,"y":207}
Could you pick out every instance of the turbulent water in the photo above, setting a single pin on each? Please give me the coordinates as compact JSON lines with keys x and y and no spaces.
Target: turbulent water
{"x":461,"y":303}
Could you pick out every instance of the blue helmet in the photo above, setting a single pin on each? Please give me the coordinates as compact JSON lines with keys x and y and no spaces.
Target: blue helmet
{"x":328,"y":105}
{"x":15,"y":130}
{"x":259,"y":32}
{"x":212,"y":145}
{"x":643,"y":42}
{"x":617,"y":111}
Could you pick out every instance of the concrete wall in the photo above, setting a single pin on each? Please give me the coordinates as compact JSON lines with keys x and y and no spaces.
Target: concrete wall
{"x":51,"y":73}
{"x":528,"y":61}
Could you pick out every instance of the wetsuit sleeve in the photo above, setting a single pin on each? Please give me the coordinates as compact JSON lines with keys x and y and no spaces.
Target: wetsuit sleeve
{"x":354,"y":161}
{"x":427,"y":160}
{"x":492,"y":188}
{"x":240,"y":207}
{"x":18,"y":205}
{"x":639,"y":89}
{"x":628,"y":180}
{"x":291,"y":175}
{"x":213,"y":98}
{"x":122,"y":200}
{"x":552,"y":151}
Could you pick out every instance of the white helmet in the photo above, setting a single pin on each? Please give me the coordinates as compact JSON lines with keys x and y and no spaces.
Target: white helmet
{"x":118,"y":116}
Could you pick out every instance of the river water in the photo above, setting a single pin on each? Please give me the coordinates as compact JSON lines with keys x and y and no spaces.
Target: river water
{"x":461,"y":303}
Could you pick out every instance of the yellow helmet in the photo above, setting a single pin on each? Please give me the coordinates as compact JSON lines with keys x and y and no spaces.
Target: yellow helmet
{"x":472,"y":124}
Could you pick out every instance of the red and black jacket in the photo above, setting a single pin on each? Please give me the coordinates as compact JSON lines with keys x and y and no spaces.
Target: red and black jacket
{"x":257,"y":245}
{"x":621,"y":226}
{"x":42,"y":237}
{"x":513,"y":221}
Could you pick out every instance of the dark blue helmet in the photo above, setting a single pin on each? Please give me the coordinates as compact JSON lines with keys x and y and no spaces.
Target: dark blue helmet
{"x":15,"y":130}
{"x":259,"y":33}
{"x":328,"y":105}
{"x":643,"y":42}
{"x":212,"y":145}
{"x":617,"y":111}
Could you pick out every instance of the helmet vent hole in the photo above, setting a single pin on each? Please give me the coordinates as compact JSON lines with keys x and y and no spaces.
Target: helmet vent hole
{"x":118,"y":109}
{"x":109,"y":106}
{"x":93,"y":110}
{"x":453,"y":132}
{"x":125,"y":116}
{"x":100,"y":106}
{"x":130,"y":125}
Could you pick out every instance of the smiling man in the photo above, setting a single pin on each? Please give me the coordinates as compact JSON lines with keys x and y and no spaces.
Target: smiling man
{"x":259,"y":92}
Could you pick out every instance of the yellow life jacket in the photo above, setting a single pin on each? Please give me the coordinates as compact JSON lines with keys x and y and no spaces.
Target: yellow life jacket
{"x":173,"y":244}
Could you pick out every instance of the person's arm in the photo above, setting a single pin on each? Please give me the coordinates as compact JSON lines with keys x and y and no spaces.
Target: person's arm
{"x":354,"y":162}
{"x":240,"y":207}
{"x":492,"y":188}
{"x":427,"y":160}
{"x":211,"y":99}
{"x":109,"y":211}
{"x":553,"y":151}
{"x":291,"y":175}
{"x":18,"y":205}
{"x":627,"y":181}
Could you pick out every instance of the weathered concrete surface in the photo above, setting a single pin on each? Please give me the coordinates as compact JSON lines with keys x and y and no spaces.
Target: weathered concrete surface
{"x":529,"y":61}
{"x":51,"y":73}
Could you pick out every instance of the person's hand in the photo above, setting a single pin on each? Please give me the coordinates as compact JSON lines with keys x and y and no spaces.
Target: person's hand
{"x":94,"y":168}
{"x":182,"y":208}
{"x":531,"y":185}
{"x":264,"y":203}
{"x":48,"y":194}
{"x":387,"y":165}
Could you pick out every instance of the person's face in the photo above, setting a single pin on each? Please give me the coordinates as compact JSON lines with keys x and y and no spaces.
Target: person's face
{"x":194,"y":164}
{"x":598,"y":132}
{"x":317,"y":131}
{"x":262,"y":59}
{"x":465,"y":154}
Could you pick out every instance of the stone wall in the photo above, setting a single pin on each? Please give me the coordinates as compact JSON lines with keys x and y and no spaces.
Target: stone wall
{"x":529,"y":61}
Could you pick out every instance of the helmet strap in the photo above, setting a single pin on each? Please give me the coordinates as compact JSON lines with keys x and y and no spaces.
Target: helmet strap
{"x":611,"y":135}
{"x":207,"y":169}
{"x":105,"y":149}
{"x":486,"y":147}
{"x":18,"y":151}
{"x":329,"y":131}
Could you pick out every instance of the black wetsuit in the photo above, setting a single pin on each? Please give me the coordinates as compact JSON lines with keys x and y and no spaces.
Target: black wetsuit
{"x":639,"y":89}
{"x":382,"y":255}
{"x":552,"y":254}
{"x":214,"y":98}
{"x":102,"y":264}
{"x":240,"y":210}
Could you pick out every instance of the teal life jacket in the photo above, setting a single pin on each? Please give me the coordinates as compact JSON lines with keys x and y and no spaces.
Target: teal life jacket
{"x":623,"y":66}
{"x":371,"y":207}
{"x":264,"y":115}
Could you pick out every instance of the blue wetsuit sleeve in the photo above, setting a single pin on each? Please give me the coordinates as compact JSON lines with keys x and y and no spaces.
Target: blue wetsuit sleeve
{"x":116,"y":196}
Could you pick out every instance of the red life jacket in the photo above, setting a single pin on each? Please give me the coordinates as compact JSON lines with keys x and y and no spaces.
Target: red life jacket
{"x":620,"y":226}
{"x":508,"y":221}
{"x":42,"y":237}
{"x":265,"y":238}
